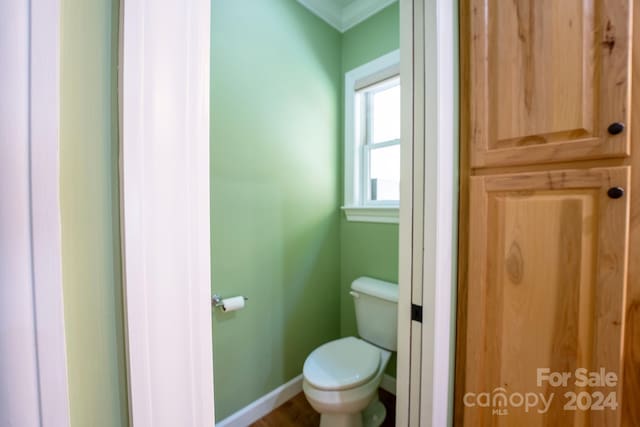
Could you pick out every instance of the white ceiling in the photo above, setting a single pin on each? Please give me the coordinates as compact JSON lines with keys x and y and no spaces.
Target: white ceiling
{"x":344,"y":14}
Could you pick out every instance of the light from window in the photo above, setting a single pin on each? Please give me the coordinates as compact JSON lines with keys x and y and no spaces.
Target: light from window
{"x":379,"y":128}
{"x":385,"y":173}
{"x":385,"y":109}
{"x":372,"y":141}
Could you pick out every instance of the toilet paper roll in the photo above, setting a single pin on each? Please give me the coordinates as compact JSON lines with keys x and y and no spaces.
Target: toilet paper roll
{"x":232,"y":304}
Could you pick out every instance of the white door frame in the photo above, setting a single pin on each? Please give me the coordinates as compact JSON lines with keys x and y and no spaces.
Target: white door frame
{"x":31,"y":201}
{"x":428,"y":211}
{"x":164,"y":155}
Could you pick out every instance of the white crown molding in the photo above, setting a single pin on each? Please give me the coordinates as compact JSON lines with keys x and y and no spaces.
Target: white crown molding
{"x":360,"y":10}
{"x":328,"y":11}
{"x":345,"y":16}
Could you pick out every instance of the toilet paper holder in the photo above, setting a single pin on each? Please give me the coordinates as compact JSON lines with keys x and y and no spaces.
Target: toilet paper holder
{"x":216,"y":300}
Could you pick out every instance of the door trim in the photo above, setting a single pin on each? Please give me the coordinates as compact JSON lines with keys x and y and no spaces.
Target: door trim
{"x":428,"y":230}
{"x":32,"y":334}
{"x":164,"y":170}
{"x":45,"y":211}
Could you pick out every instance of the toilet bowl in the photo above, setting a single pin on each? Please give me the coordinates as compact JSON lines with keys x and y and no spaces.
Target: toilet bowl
{"x":341,"y":377}
{"x":341,"y":380}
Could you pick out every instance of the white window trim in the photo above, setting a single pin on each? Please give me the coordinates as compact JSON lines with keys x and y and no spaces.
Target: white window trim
{"x":385,"y":214}
{"x":381,"y":68}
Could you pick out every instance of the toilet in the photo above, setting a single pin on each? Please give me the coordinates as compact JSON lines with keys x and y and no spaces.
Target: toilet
{"x":341,"y":377}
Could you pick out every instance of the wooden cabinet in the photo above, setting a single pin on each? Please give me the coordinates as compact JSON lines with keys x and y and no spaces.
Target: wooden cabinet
{"x":547,"y":268}
{"x":547,"y":80}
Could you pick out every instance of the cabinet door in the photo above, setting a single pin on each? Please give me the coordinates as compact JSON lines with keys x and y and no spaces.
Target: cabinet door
{"x":547,"y":272}
{"x":547,"y":79}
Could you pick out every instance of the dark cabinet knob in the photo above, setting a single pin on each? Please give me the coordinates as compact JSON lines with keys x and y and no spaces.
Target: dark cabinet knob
{"x":615,"y":192}
{"x":615,"y":128}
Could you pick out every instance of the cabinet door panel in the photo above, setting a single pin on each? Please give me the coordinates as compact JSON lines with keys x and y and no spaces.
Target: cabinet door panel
{"x":546,"y":280}
{"x":547,"y":78}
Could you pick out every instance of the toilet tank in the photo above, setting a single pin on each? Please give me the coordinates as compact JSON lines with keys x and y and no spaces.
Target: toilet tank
{"x":376,"y":304}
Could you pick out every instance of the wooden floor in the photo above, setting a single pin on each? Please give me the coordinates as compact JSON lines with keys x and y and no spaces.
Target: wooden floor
{"x":297,"y":412}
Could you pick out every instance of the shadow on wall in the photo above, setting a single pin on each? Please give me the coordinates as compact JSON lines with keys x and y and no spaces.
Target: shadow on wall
{"x":276,"y":149}
{"x":283,"y":257}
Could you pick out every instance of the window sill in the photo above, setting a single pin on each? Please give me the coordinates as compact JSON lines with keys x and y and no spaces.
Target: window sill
{"x":383,"y":214}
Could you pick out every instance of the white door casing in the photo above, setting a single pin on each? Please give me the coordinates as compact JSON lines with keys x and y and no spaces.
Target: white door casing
{"x":165,"y":211}
{"x":33,"y":370}
{"x":428,"y":211}
{"x":440,"y":44}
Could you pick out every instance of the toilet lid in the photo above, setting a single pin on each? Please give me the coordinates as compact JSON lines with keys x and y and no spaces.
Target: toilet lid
{"x":341,"y":364}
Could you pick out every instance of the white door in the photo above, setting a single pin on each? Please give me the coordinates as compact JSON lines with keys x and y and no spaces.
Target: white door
{"x":33,"y":371}
{"x":428,"y":212}
{"x":165,"y":211}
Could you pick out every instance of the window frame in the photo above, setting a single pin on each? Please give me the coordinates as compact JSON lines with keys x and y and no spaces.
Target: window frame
{"x":384,"y":72}
{"x":364,"y":98}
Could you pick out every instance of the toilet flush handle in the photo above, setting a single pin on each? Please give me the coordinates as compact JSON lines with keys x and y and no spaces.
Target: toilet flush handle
{"x":354,"y":294}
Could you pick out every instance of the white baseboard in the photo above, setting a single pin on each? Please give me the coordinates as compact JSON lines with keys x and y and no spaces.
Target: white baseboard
{"x":388,"y":383}
{"x":267,"y":403}
{"x":261,"y":407}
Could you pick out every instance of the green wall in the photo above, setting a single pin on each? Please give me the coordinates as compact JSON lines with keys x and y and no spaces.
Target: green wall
{"x":372,"y":38}
{"x":89,"y":211}
{"x":275,"y":192}
{"x":278,"y":236}
{"x":367,"y":249}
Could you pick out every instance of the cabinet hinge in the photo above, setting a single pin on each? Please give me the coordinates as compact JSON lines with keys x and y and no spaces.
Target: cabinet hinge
{"x":416,"y":313}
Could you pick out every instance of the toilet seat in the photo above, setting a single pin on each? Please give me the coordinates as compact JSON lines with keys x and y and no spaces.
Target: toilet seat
{"x":342,"y":364}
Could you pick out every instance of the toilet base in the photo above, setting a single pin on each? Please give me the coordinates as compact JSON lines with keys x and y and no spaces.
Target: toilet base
{"x":372,"y":416}
{"x":341,"y":420}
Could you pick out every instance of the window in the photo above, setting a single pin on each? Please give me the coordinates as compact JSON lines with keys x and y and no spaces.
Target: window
{"x":372,"y":141}
{"x":379,"y":128}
